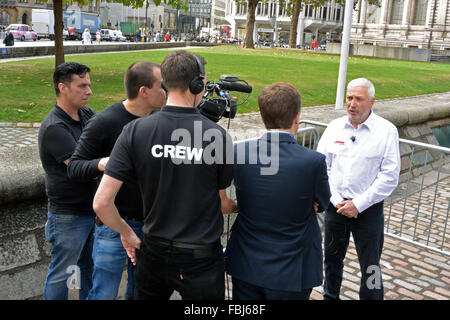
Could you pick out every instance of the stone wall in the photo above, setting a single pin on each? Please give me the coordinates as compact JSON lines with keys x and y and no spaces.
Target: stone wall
{"x":420,"y":159}
{"x":383,"y":51}
{"x":15,"y":52}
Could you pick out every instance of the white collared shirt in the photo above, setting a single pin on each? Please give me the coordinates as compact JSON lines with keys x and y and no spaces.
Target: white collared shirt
{"x":365,"y":170}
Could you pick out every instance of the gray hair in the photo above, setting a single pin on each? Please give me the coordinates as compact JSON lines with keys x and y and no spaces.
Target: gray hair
{"x":363,"y":82}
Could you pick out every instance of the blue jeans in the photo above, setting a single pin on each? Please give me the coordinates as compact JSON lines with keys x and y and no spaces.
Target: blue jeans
{"x":368,"y":235}
{"x":71,"y":237}
{"x":109,"y":258}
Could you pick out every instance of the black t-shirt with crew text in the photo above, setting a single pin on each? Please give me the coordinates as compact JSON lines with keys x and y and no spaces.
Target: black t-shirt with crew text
{"x":171,"y":154}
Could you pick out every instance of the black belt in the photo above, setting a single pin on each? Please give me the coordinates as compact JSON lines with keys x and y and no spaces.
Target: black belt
{"x":199,"y":250}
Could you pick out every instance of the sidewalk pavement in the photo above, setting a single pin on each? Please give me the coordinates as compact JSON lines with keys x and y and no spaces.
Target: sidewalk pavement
{"x":409,"y":271}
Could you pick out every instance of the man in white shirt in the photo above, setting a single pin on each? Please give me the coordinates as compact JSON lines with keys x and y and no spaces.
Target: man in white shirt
{"x":363,"y":162}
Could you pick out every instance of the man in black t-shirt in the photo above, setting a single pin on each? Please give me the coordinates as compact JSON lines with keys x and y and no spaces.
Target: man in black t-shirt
{"x":144,"y":95}
{"x":181,"y":160}
{"x":70,"y":221}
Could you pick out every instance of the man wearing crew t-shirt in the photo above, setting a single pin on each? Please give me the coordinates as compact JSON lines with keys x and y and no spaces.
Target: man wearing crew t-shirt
{"x":179,"y":158}
{"x":144,"y":95}
{"x":70,"y":221}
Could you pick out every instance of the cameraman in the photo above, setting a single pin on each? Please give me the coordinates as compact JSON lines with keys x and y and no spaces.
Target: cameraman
{"x":183,"y":191}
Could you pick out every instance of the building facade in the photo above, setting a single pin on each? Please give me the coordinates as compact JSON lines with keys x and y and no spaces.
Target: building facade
{"x":19,"y":11}
{"x":403,"y":23}
{"x":202,"y":16}
{"x":273,"y":22}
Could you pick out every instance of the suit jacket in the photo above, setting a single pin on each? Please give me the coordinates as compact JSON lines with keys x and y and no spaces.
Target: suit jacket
{"x":276,"y":240}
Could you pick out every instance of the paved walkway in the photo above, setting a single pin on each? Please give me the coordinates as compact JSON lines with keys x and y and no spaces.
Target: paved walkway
{"x":409,"y":271}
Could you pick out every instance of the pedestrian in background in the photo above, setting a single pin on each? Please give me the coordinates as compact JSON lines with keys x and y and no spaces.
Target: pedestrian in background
{"x":9,"y":39}
{"x":86,"y":36}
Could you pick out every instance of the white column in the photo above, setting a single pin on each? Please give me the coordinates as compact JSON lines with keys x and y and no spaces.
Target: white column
{"x":406,"y":20}
{"x":234,"y":29}
{"x":328,"y":6}
{"x":384,"y":11}
{"x":429,"y":14}
{"x":300,"y":29}
{"x":441,"y":14}
{"x":277,"y":9}
{"x":357,"y":13}
{"x":362,"y":17}
{"x":332,"y":10}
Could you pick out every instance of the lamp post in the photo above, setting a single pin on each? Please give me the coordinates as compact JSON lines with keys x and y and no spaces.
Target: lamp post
{"x":344,"y":54}
{"x":146,"y":21}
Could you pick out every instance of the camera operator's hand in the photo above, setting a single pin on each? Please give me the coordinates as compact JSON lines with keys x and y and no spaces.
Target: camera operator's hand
{"x":228,"y":205}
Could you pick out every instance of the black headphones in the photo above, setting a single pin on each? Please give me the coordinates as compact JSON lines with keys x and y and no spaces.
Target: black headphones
{"x":196,"y":85}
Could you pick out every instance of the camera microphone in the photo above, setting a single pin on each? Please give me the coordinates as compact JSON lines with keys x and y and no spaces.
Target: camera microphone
{"x":234,"y":86}
{"x":353,"y":138}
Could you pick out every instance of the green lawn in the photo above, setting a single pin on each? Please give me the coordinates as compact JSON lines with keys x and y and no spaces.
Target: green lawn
{"x":27,"y":92}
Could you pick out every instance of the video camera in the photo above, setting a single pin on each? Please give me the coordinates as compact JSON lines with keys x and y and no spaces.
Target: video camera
{"x":223,"y":106}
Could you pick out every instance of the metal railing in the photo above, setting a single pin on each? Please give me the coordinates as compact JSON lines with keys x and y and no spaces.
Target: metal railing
{"x":418,"y":209}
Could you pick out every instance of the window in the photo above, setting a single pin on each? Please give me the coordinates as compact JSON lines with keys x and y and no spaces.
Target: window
{"x":373,"y":14}
{"x":338,"y":14}
{"x":5,"y":18}
{"x":397,"y":12}
{"x":420,"y":12}
{"x":310,"y":11}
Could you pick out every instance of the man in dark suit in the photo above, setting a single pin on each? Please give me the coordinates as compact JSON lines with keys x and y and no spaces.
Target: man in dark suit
{"x":275,"y":247}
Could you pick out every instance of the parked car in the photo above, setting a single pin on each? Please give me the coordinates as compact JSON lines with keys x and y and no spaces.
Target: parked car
{"x":22,"y":32}
{"x":107,"y":35}
{"x":118,"y":35}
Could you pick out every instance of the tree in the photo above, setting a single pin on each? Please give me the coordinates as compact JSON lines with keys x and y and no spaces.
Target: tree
{"x":58,"y":17}
{"x":293,"y":10}
{"x":248,"y":40}
{"x":297,"y":8}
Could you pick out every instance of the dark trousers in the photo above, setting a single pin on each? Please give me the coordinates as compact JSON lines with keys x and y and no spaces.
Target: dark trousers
{"x":246,"y":291}
{"x":368,"y":234}
{"x":196,"y":275}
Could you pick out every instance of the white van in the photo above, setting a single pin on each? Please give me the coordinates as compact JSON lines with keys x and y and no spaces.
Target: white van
{"x":42,"y":22}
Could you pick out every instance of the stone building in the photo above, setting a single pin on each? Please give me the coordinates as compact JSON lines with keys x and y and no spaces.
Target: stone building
{"x":403,"y":23}
{"x":202,"y":16}
{"x":273,"y":23}
{"x":19,"y":11}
